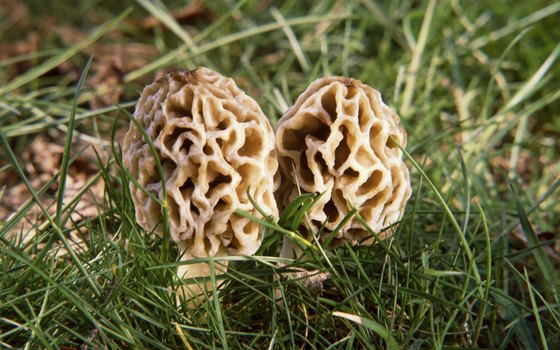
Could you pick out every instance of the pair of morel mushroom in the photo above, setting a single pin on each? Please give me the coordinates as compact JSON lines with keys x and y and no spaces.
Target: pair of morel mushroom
{"x":217,"y":148}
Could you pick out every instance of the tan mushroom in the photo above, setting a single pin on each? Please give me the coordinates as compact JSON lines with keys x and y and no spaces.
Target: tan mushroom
{"x":338,"y":140}
{"x":214,"y":144}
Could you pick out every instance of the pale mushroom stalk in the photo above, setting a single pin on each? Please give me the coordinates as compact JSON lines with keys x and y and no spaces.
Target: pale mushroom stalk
{"x":200,"y":272}
{"x":216,"y":148}
{"x":290,"y":250}
{"x":337,"y":139}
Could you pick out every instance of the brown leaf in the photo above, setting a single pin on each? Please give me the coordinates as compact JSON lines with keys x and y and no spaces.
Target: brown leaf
{"x":519,"y":240}
{"x":41,"y":162}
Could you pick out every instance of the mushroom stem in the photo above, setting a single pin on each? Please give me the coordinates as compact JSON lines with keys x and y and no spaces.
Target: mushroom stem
{"x":290,"y":250}
{"x":196,"y":292}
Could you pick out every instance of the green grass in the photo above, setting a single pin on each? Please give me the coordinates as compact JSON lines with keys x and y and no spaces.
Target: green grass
{"x":477,"y":87}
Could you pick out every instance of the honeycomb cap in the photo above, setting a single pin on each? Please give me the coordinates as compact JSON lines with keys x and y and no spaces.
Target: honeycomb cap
{"x":215,"y":145}
{"x":335,"y":140}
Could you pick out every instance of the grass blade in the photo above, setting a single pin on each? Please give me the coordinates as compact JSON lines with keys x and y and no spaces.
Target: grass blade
{"x":61,"y":58}
{"x":464,"y":243}
{"x":417,"y":53}
{"x":50,"y":219}
{"x":68,"y":145}
{"x":159,"y":169}
{"x":372,"y":325}
{"x":533,"y":84}
{"x":298,"y":52}
{"x":536,"y":312}
{"x":228,"y":39}
{"x":545,"y":265}
{"x":163,"y":15}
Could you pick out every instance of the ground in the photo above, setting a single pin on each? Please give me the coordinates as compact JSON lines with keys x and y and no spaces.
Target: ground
{"x":473,"y":263}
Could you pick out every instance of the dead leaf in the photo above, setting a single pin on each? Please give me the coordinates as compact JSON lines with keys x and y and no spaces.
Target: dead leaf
{"x":311,"y":279}
{"x":519,"y":240}
{"x":41,"y":162}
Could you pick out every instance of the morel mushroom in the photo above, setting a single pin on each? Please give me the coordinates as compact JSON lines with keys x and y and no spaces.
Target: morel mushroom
{"x":215,"y":146}
{"x":338,"y":139}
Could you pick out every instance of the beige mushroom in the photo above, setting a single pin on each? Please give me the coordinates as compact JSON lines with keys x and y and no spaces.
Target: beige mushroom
{"x":338,"y":140}
{"x":215,"y":146}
